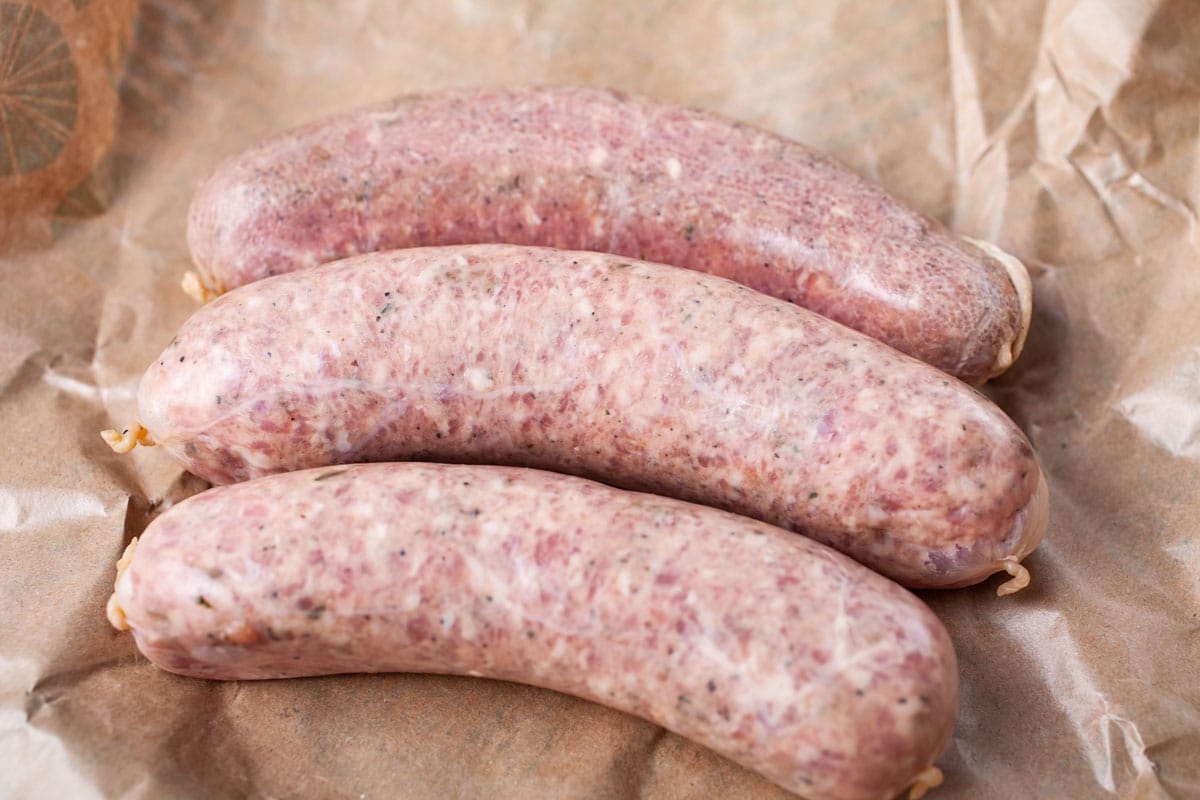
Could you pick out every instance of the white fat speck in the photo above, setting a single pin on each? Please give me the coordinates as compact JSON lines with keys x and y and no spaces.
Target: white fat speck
{"x":840,"y":211}
{"x":623,"y":585}
{"x":623,"y":396}
{"x":374,"y":133}
{"x":583,"y":306}
{"x":254,"y":459}
{"x":530,"y":217}
{"x":444,"y":520}
{"x":479,"y":379}
{"x":674,"y":168}
{"x":560,"y":650}
{"x":410,"y":601}
{"x":762,"y":347}
{"x":492,"y":530}
{"x":776,"y":692}
{"x":376,"y":535}
{"x":343,"y":441}
{"x":597,"y":225}
{"x":384,"y":118}
{"x":701,"y":353}
{"x":598,"y":157}
{"x":589,"y":395}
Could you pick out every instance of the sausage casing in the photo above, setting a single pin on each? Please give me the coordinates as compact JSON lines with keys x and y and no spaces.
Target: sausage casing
{"x":645,"y":376}
{"x":766,"y":647}
{"x":582,"y":168}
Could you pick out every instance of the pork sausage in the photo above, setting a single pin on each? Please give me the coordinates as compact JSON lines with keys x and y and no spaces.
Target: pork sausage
{"x":590,"y":169}
{"x":646,"y":376}
{"x":770,"y":649}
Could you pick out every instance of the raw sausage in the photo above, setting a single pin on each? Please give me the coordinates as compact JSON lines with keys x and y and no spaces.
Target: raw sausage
{"x":590,"y":169}
{"x":770,"y":649}
{"x":646,"y":376}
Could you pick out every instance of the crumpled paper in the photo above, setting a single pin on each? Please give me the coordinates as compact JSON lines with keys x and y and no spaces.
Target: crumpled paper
{"x":1068,"y":131}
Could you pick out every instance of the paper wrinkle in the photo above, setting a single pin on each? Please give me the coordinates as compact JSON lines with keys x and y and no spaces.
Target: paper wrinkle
{"x":1167,"y":411}
{"x":18,"y":353}
{"x":1097,"y":40}
{"x":1102,"y":159}
{"x":1178,"y":205}
{"x":29,"y":754}
{"x":20,"y":673}
{"x":1080,"y":699}
{"x":82,"y":390}
{"x":1106,"y":163}
{"x":1131,"y":744}
{"x":971,"y":140}
{"x":38,"y":507}
{"x":1186,"y":554}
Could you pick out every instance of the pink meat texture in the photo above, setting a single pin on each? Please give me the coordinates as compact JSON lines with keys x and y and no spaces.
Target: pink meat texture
{"x":642,"y":375}
{"x":591,"y":169}
{"x":768,"y":648}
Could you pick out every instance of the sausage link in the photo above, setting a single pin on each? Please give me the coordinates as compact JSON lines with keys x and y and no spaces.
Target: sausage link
{"x":590,"y":169}
{"x":642,"y":375}
{"x":770,"y":649}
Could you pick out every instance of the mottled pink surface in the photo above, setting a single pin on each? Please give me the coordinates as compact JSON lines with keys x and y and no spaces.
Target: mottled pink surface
{"x":764,"y":646}
{"x":642,"y":375}
{"x":591,"y":169}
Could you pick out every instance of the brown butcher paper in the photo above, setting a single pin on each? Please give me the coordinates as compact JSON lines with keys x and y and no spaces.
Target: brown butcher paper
{"x":1066,"y":131}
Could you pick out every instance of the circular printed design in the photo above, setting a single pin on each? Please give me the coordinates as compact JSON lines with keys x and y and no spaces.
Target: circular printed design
{"x":39,"y":96}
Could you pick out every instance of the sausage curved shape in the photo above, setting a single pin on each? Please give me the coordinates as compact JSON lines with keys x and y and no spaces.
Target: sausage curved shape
{"x":591,"y":169}
{"x":765,"y":647}
{"x":642,"y":375}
